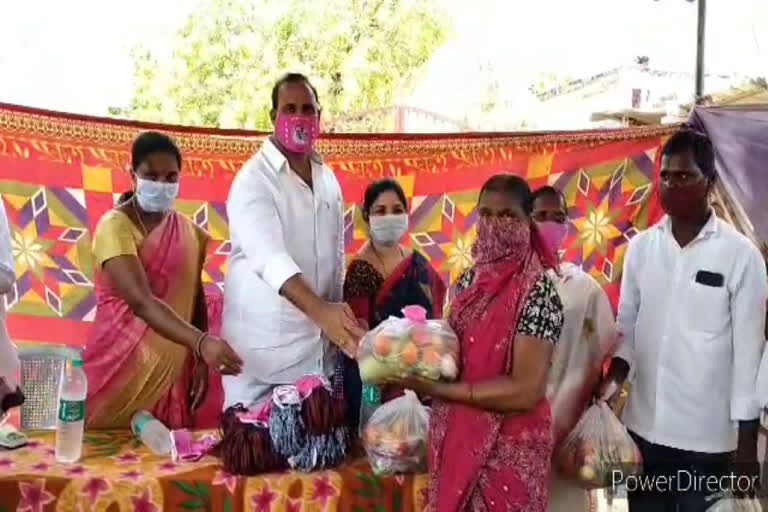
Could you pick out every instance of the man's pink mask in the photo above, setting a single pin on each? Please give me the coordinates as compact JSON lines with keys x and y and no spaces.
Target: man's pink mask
{"x":297,"y":133}
{"x":554,"y":233}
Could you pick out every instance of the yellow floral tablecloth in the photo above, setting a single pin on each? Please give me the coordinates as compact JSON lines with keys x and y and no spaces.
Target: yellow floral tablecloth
{"x":118,"y":474}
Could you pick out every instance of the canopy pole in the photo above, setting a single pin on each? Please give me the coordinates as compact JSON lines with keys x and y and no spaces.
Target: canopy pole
{"x":699,"y":93}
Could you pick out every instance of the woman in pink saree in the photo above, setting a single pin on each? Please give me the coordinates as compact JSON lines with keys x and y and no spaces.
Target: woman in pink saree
{"x":149,"y":347}
{"x":490,"y":438}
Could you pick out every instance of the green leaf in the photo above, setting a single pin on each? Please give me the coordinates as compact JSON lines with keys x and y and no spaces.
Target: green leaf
{"x":397,"y":500}
{"x":186,"y":487}
{"x":202,"y":489}
{"x":227,"y":504}
{"x":370,"y":55}
{"x":366,"y":492}
{"x":376,"y":482}
{"x":366,"y":478}
{"x":192,"y":504}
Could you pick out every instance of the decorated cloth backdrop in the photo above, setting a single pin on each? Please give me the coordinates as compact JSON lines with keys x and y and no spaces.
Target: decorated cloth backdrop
{"x":60,"y":173}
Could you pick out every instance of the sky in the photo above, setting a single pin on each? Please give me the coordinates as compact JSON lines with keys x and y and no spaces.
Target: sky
{"x":75,"y":56}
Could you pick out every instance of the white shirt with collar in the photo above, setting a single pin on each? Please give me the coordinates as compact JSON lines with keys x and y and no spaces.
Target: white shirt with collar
{"x":693,"y":348}
{"x":279,"y":227}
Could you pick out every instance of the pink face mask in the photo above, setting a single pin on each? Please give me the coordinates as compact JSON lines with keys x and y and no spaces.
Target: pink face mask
{"x":297,"y":133}
{"x":553,"y":233}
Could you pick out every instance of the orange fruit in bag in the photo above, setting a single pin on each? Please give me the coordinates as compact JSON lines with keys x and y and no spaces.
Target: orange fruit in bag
{"x":382,"y":345}
{"x":431,"y":357}
{"x":410,"y":354}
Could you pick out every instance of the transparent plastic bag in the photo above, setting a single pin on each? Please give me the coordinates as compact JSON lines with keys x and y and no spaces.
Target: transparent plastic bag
{"x":726,"y":502}
{"x":399,"y":347}
{"x":395,"y":438}
{"x":599,"y":452}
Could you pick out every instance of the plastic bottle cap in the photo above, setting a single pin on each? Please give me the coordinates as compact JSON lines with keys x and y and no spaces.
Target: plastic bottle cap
{"x":77,"y":363}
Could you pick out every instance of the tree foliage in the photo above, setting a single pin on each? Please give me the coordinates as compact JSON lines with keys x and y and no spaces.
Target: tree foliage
{"x":227,"y":55}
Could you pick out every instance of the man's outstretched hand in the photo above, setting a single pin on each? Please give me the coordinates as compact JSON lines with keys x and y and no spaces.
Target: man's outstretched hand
{"x":338,"y":322}
{"x":335,"y":319}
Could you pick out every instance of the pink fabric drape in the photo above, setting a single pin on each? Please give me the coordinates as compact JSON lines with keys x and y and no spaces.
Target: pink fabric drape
{"x":112,"y":356}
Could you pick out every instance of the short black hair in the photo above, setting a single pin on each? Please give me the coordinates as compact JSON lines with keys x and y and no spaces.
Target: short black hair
{"x":512,"y":185}
{"x":291,"y":78}
{"x":377,"y":188}
{"x":153,"y":142}
{"x":549,"y":191}
{"x":698,"y":144}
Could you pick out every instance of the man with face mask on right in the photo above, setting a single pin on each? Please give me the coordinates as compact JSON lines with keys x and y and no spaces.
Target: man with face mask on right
{"x":283,"y":310}
{"x":587,"y":338}
{"x":691,"y":316}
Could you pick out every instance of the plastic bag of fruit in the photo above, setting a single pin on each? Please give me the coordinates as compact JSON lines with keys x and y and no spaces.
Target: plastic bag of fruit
{"x":395,"y":438}
{"x":599,"y":452}
{"x":413,"y":345}
{"x":726,"y":502}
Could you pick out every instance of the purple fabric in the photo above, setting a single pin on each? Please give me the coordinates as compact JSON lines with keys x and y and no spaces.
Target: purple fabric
{"x":739,"y":135}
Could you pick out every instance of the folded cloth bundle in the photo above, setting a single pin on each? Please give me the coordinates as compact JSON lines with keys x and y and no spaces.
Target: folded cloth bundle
{"x":302,"y":427}
{"x":321,"y":422}
{"x":184,"y":448}
{"x":246,"y":446}
{"x":286,"y":427}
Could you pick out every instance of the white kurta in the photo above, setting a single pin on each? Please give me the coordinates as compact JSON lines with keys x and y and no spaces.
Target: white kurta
{"x":588,"y":335}
{"x":279,"y":227}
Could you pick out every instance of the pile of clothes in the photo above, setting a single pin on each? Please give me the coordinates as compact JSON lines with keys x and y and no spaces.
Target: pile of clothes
{"x":302,"y":427}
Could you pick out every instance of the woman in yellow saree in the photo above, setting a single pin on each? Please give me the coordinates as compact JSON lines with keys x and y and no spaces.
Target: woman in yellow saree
{"x":148,"y":347}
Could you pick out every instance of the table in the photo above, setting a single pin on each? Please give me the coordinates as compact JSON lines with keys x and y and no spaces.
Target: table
{"x":118,"y":474}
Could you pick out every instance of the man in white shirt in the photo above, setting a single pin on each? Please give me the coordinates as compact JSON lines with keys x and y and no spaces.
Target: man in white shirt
{"x":691,"y":313}
{"x":587,"y":338}
{"x":282,"y":297}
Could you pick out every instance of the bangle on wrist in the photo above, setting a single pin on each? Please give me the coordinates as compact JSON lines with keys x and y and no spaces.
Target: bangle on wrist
{"x":471,"y":398}
{"x":199,"y":344}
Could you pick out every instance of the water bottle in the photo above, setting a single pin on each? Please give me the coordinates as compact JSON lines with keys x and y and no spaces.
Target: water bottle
{"x":71,"y":417}
{"x":371,"y":400}
{"x":152,"y":432}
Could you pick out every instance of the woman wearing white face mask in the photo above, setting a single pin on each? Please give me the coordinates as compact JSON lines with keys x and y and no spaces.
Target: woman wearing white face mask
{"x":148,"y":347}
{"x":384,"y":277}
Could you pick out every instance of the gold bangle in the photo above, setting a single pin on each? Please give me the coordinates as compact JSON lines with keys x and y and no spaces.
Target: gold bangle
{"x":471,"y":398}
{"x":199,"y":344}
